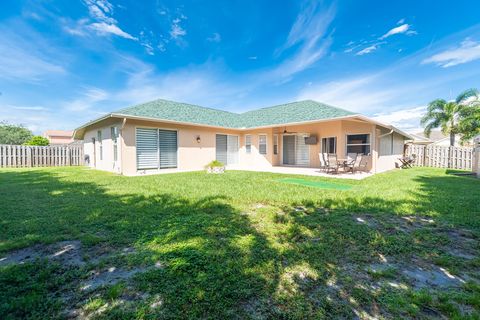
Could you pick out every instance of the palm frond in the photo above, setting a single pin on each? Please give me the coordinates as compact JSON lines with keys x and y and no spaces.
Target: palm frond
{"x":463,"y":97}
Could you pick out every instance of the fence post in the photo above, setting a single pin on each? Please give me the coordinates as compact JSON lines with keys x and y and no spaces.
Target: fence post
{"x":476,"y":157}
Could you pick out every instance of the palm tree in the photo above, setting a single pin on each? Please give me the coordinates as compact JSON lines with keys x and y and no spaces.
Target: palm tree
{"x":448,"y":115}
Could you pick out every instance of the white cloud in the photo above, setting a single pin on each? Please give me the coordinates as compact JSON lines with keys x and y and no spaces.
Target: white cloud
{"x":401,"y":21}
{"x":404,"y":28}
{"x":215,"y":37}
{"x":407,"y":119}
{"x":89,"y":97}
{"x":23,"y":60}
{"x":29,"y":108}
{"x":358,"y":94}
{"x":100,"y":11}
{"x":176,"y":30}
{"x":368,"y":50}
{"x":104,"y":28}
{"x":310,"y":32}
{"x":468,"y":51}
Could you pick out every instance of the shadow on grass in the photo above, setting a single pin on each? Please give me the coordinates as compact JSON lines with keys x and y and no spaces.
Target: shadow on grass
{"x":217,"y":263}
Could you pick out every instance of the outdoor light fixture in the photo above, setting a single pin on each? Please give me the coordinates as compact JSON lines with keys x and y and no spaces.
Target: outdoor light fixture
{"x":198,"y":139}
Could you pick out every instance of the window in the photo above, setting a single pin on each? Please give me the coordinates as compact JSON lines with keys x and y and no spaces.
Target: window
{"x":248,"y":143}
{"x":100,"y":147}
{"x":329,"y":145}
{"x":275,"y":144}
{"x":262,"y":144}
{"x":358,"y":143}
{"x":114,"y":134}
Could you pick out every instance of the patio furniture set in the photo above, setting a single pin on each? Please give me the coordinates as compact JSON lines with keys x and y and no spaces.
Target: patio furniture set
{"x":407,"y":162}
{"x":330,"y":163}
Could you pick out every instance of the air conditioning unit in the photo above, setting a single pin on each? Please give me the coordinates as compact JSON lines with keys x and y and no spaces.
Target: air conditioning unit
{"x":311,"y":140}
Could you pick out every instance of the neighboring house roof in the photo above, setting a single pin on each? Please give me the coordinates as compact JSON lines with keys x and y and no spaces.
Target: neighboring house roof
{"x":58,"y":133}
{"x":417,"y":138}
{"x":284,"y":114}
{"x":434,"y":136}
{"x":301,"y":111}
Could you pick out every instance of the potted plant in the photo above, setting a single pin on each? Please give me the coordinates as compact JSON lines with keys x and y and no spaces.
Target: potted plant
{"x":215,"y":167}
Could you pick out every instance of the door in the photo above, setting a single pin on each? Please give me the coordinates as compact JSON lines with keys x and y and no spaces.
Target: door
{"x":289,"y":149}
{"x":295,"y":151}
{"x":226,"y":149}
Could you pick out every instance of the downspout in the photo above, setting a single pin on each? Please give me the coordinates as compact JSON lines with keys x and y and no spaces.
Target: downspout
{"x":386,"y":134}
{"x":124,"y":121}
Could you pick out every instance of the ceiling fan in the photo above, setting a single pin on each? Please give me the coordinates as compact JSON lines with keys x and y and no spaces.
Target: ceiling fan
{"x":285,"y":131}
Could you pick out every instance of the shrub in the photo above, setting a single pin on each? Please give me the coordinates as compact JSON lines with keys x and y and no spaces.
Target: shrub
{"x":214,"y":164}
{"x":37,"y":141}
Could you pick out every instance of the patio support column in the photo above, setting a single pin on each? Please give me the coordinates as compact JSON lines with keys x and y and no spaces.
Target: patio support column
{"x":374,"y":149}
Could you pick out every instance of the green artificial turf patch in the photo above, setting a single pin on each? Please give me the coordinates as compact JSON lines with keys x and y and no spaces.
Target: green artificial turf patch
{"x":317,"y":184}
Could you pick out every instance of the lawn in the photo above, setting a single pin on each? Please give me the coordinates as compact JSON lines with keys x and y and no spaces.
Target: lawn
{"x":81,"y":243}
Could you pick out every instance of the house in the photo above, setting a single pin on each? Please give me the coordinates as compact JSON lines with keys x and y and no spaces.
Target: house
{"x":437,"y":138}
{"x":165,"y":136}
{"x":59,"y":136}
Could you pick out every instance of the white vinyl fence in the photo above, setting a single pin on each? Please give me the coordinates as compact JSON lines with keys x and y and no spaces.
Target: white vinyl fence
{"x":34,"y":156}
{"x":441,"y":156}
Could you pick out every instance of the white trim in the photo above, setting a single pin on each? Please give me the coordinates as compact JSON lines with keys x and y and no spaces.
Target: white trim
{"x":266,"y":143}
{"x":275,"y":135}
{"x":370,"y":135}
{"x":248,"y":135}
{"x":329,"y":137}
{"x":359,"y":116}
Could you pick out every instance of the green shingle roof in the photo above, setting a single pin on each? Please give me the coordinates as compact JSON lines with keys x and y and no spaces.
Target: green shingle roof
{"x":300,"y":111}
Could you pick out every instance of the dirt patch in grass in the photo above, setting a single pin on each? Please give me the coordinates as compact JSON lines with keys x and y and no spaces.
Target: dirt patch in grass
{"x":67,"y":253}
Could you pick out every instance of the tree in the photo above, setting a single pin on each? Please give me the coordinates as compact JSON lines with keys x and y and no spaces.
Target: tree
{"x":37,"y":141}
{"x":449,"y":116}
{"x":469,"y":124}
{"x":14,"y":134}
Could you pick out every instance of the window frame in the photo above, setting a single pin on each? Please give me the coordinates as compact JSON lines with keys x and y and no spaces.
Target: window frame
{"x":326,"y":144}
{"x":275,"y":144}
{"x":114,"y":136}
{"x":369,"y":143}
{"x":100,"y":144}
{"x":248,"y":143}
{"x":259,"y":144}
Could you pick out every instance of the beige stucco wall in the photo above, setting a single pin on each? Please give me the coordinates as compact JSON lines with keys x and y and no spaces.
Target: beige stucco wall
{"x":194,"y":156}
{"x":388,"y":156}
{"x":191,"y":154}
{"x":106,"y":162}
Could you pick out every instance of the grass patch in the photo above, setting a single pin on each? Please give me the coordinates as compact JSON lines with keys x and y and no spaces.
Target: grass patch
{"x":317,"y":184}
{"x":238,"y":245}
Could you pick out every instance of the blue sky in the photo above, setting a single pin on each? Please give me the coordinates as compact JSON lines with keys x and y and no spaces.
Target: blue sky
{"x":63,"y":63}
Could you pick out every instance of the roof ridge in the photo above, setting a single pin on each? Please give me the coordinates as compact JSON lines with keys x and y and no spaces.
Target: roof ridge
{"x":274,"y":106}
{"x":171,"y":101}
{"x":300,"y":101}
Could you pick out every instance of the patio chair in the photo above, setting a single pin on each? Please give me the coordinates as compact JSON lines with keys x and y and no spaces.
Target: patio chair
{"x":351,"y":158}
{"x":332,"y":163}
{"x":355,"y":165}
{"x":363,"y":164}
{"x":323,"y":161}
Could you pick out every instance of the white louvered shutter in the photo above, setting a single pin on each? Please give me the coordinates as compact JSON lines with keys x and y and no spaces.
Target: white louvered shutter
{"x":147,"y":148}
{"x":167,"y":140}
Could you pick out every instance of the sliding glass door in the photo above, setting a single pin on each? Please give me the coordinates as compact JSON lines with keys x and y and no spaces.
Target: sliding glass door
{"x":226,"y":149}
{"x":156,"y":148}
{"x":295,"y":151}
